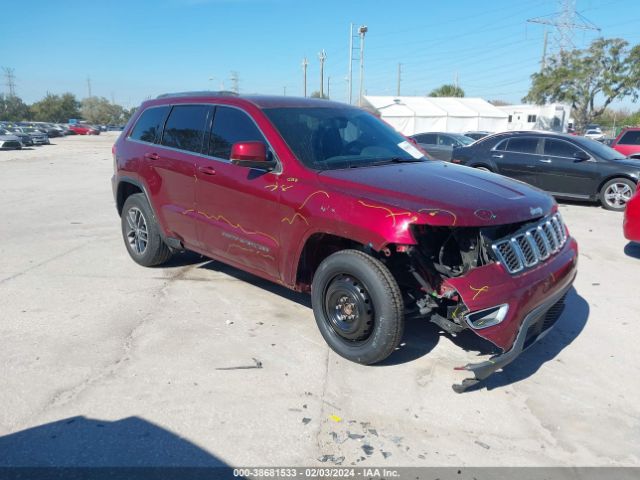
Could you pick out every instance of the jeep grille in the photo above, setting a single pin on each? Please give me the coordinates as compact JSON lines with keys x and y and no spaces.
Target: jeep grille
{"x":527,"y":248}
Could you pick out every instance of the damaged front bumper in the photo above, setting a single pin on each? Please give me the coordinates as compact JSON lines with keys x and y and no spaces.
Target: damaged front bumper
{"x":534,"y":326}
{"x":535,"y":298}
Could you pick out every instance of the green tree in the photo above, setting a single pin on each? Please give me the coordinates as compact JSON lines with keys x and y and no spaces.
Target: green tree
{"x":316,"y":94}
{"x":606,"y":71}
{"x":13,"y":109}
{"x":447,"y":91}
{"x":56,"y":108}
{"x":99,"y":110}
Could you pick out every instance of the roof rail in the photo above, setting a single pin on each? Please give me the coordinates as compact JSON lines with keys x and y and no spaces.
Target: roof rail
{"x":202,"y":93}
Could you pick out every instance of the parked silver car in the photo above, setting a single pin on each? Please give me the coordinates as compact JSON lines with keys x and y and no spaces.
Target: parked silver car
{"x":439,"y":145}
{"x":10,"y":142}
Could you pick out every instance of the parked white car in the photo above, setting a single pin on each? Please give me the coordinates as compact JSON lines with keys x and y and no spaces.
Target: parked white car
{"x":594,"y":134}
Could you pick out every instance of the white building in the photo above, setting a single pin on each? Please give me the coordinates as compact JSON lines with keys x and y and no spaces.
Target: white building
{"x":553,"y":117}
{"x":411,"y":115}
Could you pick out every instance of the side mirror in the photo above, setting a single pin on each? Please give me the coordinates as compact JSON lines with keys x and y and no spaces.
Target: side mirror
{"x":581,"y":156}
{"x":251,"y":155}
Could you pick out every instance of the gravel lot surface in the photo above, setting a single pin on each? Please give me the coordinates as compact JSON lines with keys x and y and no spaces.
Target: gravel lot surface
{"x":105,"y":362}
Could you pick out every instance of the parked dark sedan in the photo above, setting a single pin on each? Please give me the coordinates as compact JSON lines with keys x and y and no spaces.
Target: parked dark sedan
{"x":440,"y":145}
{"x":566,"y":166}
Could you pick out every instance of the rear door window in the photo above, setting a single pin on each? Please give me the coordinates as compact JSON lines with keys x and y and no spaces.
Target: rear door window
{"x":230,"y":126}
{"x":149,"y":125}
{"x":428,"y":138}
{"x":559,"y":148}
{"x":523,"y":145}
{"x":446,"y":140}
{"x":185,"y":127}
{"x":630,"y":138}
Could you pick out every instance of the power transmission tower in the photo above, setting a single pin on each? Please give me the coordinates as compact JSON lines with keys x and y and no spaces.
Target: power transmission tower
{"x":10,"y":80}
{"x":566,"y":22}
{"x":235,"y":82}
{"x":304,"y":73}
{"x":399,"y":79}
{"x":322,"y":56}
{"x":361,"y":32}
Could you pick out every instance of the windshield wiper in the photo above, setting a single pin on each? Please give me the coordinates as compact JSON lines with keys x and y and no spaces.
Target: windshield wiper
{"x":387,"y":161}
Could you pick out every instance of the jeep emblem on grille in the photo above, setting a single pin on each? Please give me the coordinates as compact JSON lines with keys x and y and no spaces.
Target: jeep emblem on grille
{"x":535,"y":211}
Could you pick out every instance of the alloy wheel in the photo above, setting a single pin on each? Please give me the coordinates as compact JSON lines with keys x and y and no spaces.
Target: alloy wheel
{"x":137,"y":231}
{"x":618,"y":194}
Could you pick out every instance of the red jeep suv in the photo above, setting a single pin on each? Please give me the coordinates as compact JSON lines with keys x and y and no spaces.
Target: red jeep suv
{"x":326,"y":198}
{"x":628,"y":142}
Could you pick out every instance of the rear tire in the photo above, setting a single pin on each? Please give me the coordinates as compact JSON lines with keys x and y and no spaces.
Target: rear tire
{"x":141,"y":233}
{"x":615,"y":194}
{"x":358,"y":306}
{"x":483,"y":168}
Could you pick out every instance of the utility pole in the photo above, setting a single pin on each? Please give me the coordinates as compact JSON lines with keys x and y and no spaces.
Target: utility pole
{"x":543,"y":64}
{"x":362,"y":31}
{"x":89,"y":86}
{"x":455,"y":81}
{"x":399,"y":79}
{"x":304,"y":73}
{"x":235,"y":82}
{"x":329,"y":86}
{"x":10,"y":80}
{"x":284,"y":90}
{"x":322,"y":56}
{"x":350,"y":76}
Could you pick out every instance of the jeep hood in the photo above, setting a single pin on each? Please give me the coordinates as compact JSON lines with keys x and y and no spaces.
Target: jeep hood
{"x":469,"y":197}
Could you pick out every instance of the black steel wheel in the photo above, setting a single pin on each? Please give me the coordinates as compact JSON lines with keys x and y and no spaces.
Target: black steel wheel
{"x":358,"y":306}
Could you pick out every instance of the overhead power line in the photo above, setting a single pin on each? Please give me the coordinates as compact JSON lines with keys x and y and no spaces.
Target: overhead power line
{"x":565,"y":23}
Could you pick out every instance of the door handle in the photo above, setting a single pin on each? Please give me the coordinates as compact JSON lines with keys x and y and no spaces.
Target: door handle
{"x":207,"y":170}
{"x":152,"y":156}
{"x":497,"y":156}
{"x":545,"y":160}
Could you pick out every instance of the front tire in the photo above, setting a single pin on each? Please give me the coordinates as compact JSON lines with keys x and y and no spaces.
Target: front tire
{"x":141,"y":233}
{"x":615,"y":194}
{"x":358,"y":306}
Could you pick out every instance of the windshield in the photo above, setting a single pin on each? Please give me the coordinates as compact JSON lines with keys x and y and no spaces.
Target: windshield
{"x":334,"y":138}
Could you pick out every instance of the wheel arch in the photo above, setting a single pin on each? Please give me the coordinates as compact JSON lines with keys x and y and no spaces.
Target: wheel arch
{"x":316,"y":248}
{"x":128,"y":186}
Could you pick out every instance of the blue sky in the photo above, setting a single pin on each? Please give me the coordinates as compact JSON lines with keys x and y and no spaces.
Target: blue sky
{"x":135,"y":49}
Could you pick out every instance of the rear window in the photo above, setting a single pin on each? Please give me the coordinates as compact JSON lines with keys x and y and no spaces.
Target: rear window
{"x":630,"y":138}
{"x":149,"y":125}
{"x":522,"y":145}
{"x":185,"y":127}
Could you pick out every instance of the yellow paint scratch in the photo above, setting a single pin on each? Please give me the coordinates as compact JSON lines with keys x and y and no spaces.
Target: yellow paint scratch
{"x":238,"y":226}
{"x":291,"y":220}
{"x":390,"y":214}
{"x":479,"y":290}
{"x":434,"y":211}
{"x":311,"y":196}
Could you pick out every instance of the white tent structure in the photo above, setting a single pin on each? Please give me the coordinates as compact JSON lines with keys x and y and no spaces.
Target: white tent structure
{"x":410,"y":115}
